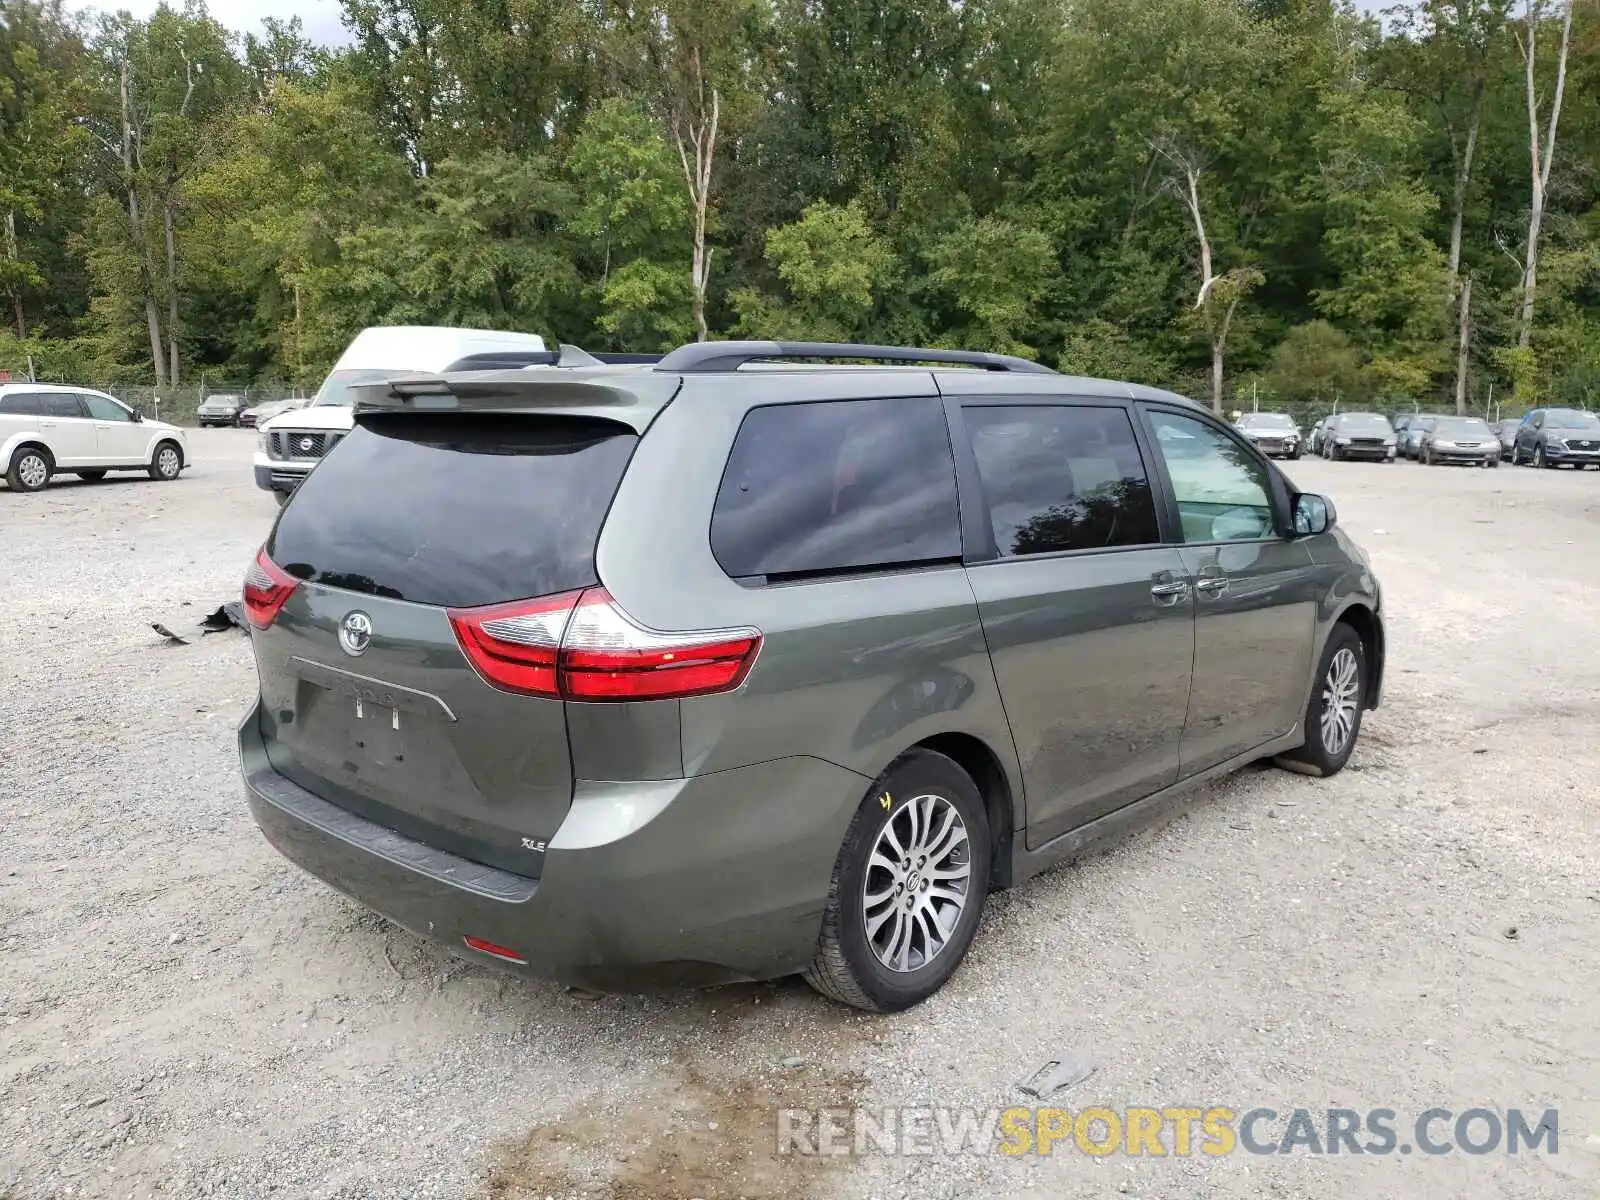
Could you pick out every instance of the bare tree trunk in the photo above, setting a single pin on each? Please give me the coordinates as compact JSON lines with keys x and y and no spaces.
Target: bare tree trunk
{"x":702,"y":139}
{"x":1539,"y":160}
{"x":1463,"y":346}
{"x":136,"y":228}
{"x":1216,"y":375}
{"x":172,"y":291}
{"x":1463,"y":181}
{"x":14,"y":253}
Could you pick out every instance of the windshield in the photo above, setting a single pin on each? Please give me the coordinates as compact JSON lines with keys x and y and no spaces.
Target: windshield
{"x":1571,"y":418}
{"x":335,"y":390}
{"x":1365,"y":424}
{"x":1266,"y":421}
{"x":1461,"y":427}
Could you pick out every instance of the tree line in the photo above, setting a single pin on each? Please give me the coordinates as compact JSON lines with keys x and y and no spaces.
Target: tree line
{"x":1285,"y":199}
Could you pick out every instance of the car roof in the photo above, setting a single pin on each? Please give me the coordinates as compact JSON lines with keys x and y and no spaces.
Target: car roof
{"x":25,"y":386}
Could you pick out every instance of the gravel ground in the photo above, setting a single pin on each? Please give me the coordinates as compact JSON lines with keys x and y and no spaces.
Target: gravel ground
{"x":182,"y":1013}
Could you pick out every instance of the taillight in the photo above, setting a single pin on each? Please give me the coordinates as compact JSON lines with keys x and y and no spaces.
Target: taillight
{"x":582,"y":646}
{"x":266,"y":587}
{"x":514,"y":646}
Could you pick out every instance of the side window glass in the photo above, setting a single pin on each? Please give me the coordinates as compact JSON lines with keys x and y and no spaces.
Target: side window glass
{"x":63,"y":404}
{"x":21,"y":404}
{"x":102,"y":409}
{"x":1223,"y":493}
{"x":844,"y":485}
{"x":1061,"y":478}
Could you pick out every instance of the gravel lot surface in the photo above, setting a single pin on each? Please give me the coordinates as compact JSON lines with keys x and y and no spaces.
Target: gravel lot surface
{"x":182,"y":1013}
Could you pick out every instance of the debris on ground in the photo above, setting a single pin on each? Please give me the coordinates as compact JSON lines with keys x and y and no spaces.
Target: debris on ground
{"x":1057,"y":1075}
{"x":229,"y":615}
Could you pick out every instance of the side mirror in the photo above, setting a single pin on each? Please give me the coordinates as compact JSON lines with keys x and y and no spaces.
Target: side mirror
{"x":1313,"y":514}
{"x":137,"y":415}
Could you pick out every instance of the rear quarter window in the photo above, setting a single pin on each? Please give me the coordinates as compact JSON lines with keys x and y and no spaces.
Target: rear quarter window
{"x":837,"y":486}
{"x":457,"y":510}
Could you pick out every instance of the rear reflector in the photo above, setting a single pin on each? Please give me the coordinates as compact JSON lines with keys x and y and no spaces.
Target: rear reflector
{"x":266,"y":587}
{"x":500,"y":952}
{"x":582,"y":646}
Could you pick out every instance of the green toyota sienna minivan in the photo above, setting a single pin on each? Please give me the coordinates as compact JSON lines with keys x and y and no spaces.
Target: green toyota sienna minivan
{"x":759,"y":660}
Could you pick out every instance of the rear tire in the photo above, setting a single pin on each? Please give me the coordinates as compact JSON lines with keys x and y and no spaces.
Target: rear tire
{"x":30,"y":469}
{"x":923,"y":802}
{"x":1333,"y":713}
{"x":166,"y":463}
{"x":90,"y":476}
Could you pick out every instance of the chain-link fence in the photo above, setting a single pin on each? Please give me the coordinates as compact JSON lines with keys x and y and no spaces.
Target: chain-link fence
{"x":178,"y":405}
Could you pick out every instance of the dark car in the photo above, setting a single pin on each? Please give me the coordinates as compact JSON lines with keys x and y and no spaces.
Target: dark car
{"x":1362,"y":435}
{"x":1416,"y":429}
{"x":1554,"y":437}
{"x":1460,"y":440}
{"x":742,"y":665}
{"x":220,"y":409}
{"x":1275,"y":434}
{"x":1506,"y":431}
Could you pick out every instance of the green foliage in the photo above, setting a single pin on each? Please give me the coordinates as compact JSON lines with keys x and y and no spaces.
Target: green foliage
{"x":1014,"y":175}
{"x":1316,"y":362}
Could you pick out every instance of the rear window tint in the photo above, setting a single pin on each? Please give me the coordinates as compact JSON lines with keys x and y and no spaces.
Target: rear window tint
{"x":456,"y":509}
{"x":837,"y":486}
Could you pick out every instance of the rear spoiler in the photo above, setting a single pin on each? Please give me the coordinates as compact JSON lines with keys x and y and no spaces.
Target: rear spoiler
{"x":589,"y":393}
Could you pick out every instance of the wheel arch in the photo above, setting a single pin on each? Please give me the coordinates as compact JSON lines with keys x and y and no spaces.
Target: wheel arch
{"x":28,"y":441}
{"x":975,"y":756}
{"x":1363,"y":618}
{"x":166,"y":439}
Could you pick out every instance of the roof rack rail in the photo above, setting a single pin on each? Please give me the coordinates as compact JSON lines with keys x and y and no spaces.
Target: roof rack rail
{"x":701,"y":358}
{"x":626,"y":360}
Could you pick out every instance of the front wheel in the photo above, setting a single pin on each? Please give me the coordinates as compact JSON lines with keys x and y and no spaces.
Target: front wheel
{"x":166,"y":464}
{"x":1539,"y":459}
{"x":908,"y":887}
{"x":1333,"y":714}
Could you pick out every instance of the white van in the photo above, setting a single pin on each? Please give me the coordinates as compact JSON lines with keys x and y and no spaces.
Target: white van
{"x":294,"y":442}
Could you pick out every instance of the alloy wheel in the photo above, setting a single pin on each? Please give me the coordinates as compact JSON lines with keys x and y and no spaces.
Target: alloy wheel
{"x":916,"y":885}
{"x":1341,"y":689}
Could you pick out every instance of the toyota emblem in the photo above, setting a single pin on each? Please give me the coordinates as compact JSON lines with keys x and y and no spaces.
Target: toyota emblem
{"x":355,"y":633}
{"x":306,"y":443}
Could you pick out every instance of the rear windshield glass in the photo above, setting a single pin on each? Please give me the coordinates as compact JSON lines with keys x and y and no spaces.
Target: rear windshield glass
{"x":1266,"y":421}
{"x":456,"y":509}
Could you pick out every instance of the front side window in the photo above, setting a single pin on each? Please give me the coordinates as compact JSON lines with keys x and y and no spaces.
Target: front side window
{"x":103,"y":409}
{"x":838,"y":486}
{"x":1061,"y":477}
{"x":1223,"y":492}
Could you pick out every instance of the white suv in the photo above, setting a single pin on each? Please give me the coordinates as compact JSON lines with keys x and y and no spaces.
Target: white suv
{"x":294,"y":442}
{"x":45,"y":429}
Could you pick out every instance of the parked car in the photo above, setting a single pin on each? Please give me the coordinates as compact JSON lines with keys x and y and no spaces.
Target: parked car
{"x":1461,"y":440}
{"x":292,"y":443}
{"x":251,"y":418}
{"x":220,"y":409}
{"x":1506,"y":431}
{"x":1314,"y":438}
{"x":1553,"y":437}
{"x":46,"y":429}
{"x":1416,"y":429}
{"x":730,"y":667}
{"x":1275,"y":434}
{"x":1359,"y":435}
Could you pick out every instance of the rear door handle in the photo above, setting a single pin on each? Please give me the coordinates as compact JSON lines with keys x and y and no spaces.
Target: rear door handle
{"x":47,"y":424}
{"x":1212,"y":586}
